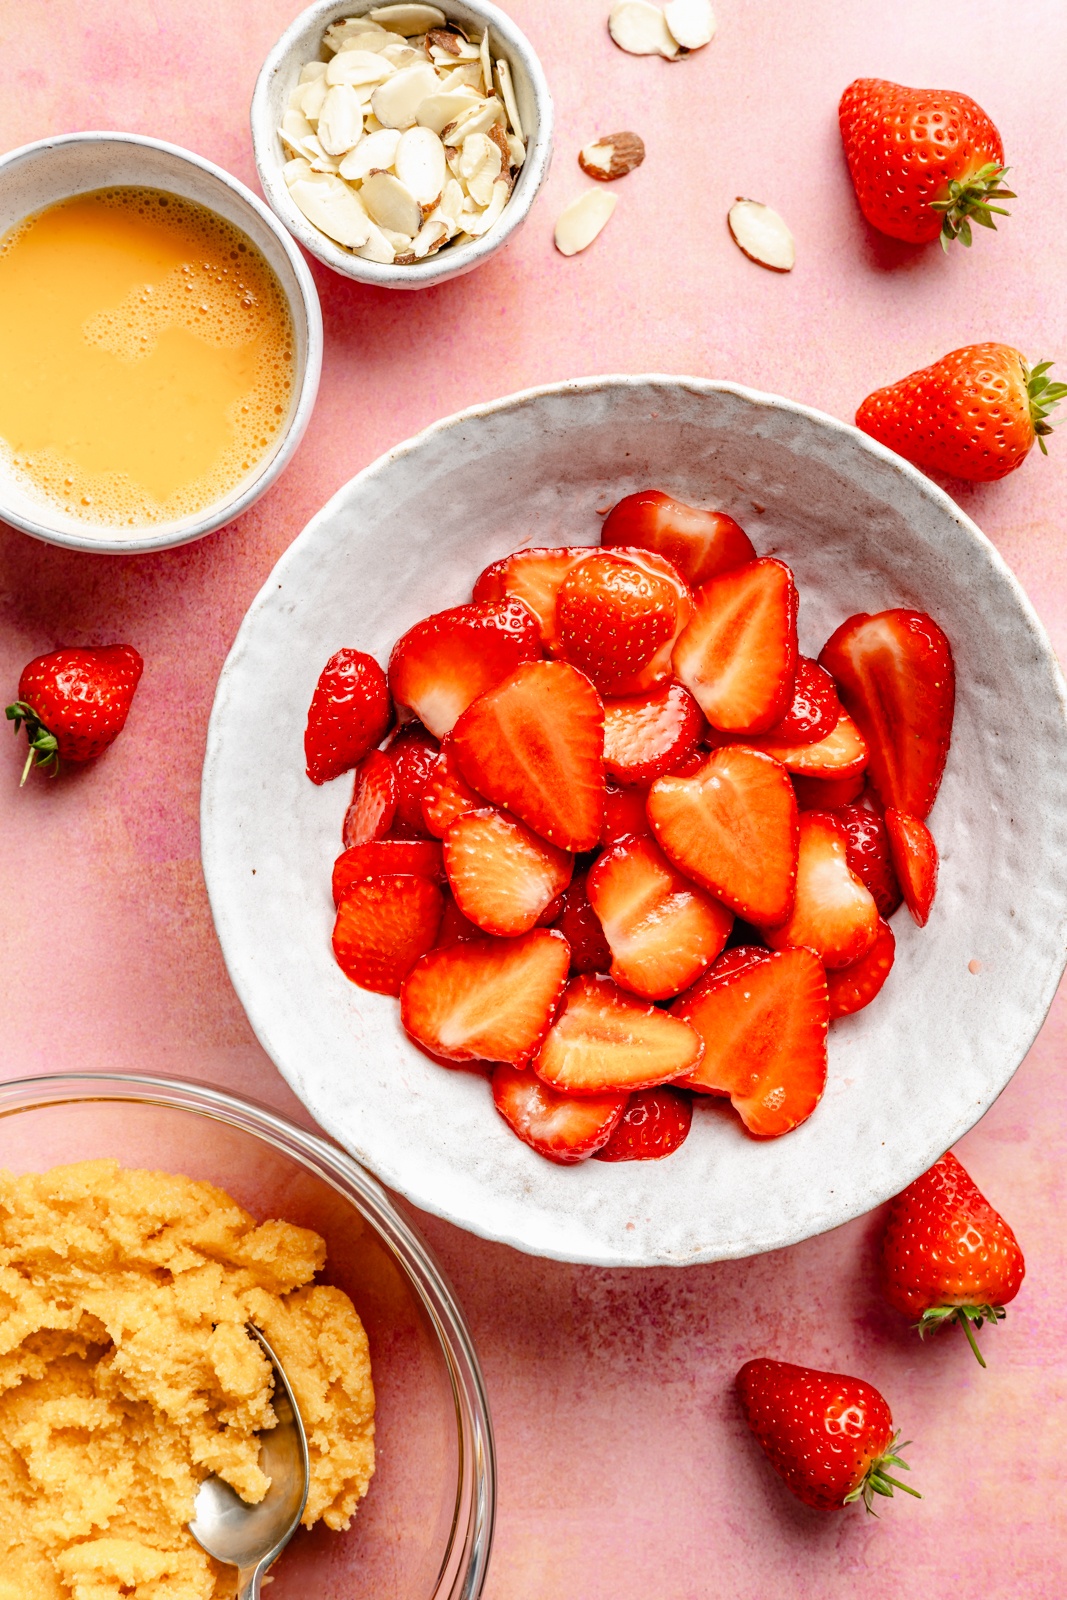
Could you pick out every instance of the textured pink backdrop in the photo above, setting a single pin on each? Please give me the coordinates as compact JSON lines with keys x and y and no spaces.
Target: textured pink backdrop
{"x":625,"y":1471}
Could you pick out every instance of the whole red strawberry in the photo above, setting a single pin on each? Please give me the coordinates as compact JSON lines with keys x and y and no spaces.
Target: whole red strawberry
{"x":974,"y":414}
{"x":350,"y":713}
{"x":946,"y":1255}
{"x":74,"y":702}
{"x":828,"y":1435}
{"x":924,"y":162}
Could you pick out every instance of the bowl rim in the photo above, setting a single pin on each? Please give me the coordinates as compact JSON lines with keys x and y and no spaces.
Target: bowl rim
{"x":445,"y":264}
{"x":474,"y":1515}
{"x":228,"y":511}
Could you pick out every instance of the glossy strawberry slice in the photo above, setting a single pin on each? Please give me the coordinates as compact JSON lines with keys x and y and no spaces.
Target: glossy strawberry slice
{"x":764,"y":1030}
{"x":738,"y":654}
{"x":373,"y":805}
{"x":869,"y":855}
{"x":914,"y":853}
{"x":447,"y":794}
{"x":842,"y":754}
{"x":534,"y":745}
{"x":896,"y":679}
{"x":828,"y":794}
{"x":580,"y":926}
{"x":732,"y":827}
{"x":444,"y":662}
{"x":624,"y":814}
{"x":834,"y":913}
{"x":648,"y":735}
{"x":414,"y":754}
{"x":383,"y":926}
{"x":614,"y":617}
{"x":534,"y":577}
{"x":502,"y":875}
{"x":852,"y":988}
{"x":350,"y":713}
{"x":701,"y":544}
{"x":489,"y":999}
{"x":655,"y":1123}
{"x":383,"y":858}
{"x":662,"y":930}
{"x":815,"y":709}
{"x":557,"y":1126}
{"x":606,"y":1042}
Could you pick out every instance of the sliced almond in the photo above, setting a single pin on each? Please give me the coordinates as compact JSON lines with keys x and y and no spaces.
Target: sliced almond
{"x":295,"y":132}
{"x":377,"y":247}
{"x":467,"y":75}
{"x":396,"y":101}
{"x":517,"y":149}
{"x":444,"y":39}
{"x":407,"y":19}
{"x":390,"y":204}
{"x":429,"y":238}
{"x":312,"y":70}
{"x":581,"y":221}
{"x":641,"y":29}
{"x":375,"y":152}
{"x":319,"y":160}
{"x":311,"y":97}
{"x":762,"y":235}
{"x":487,"y":65}
{"x":441,"y":108}
{"x":479,"y":225}
{"x":358,"y":67}
{"x":420,"y":164}
{"x":332,"y":207}
{"x":371,"y":38}
{"x":359,"y":29}
{"x":295,"y":169}
{"x":340,"y":124}
{"x":691,"y":22}
{"x":479,"y":119}
{"x":450,"y":205}
{"x":401,"y":242}
{"x":507,"y":94}
{"x":402,"y":55}
{"x":612,"y":157}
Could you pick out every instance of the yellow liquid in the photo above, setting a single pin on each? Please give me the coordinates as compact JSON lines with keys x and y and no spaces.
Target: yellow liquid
{"x":146,"y":356}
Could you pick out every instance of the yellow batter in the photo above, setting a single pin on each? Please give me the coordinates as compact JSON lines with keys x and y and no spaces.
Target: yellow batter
{"x":126,"y":1377}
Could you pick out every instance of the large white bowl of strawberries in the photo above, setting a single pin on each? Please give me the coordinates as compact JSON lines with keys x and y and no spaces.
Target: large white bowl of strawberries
{"x":634,"y":816}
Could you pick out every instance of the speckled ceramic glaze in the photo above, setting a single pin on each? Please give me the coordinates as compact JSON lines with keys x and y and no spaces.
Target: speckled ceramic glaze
{"x":862,"y":531}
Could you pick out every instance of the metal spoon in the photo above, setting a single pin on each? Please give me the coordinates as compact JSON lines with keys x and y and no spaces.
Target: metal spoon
{"x":251,"y":1537}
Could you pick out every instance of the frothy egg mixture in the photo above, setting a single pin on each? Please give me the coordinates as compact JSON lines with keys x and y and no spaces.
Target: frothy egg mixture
{"x":146,"y":356}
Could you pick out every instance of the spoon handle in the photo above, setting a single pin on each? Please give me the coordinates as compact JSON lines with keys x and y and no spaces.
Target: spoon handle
{"x":248,"y":1579}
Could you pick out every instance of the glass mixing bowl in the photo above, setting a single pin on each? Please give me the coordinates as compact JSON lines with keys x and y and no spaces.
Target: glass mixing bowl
{"x":425,"y":1529}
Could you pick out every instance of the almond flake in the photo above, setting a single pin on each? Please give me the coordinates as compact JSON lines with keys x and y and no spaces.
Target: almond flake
{"x":517,"y":149}
{"x":340,"y":125}
{"x":612,"y":157}
{"x":377,"y":247}
{"x":358,"y":67}
{"x":372,"y":39}
{"x":430,"y":236}
{"x":311,"y":96}
{"x":641,"y":29}
{"x":297,"y":168}
{"x":332,"y":207}
{"x":396,"y":101}
{"x":582,"y":220}
{"x":440,"y":109}
{"x":479,"y":225}
{"x":313,"y":70}
{"x":444,"y":39}
{"x":391,"y":205}
{"x":420,"y":165}
{"x":409,"y":19}
{"x":507,"y":94}
{"x":295,"y":131}
{"x":402,"y":55}
{"x":691,"y":22}
{"x":468,"y":75}
{"x":487,"y":66}
{"x":375,"y":152}
{"x":338,"y":34}
{"x":479,"y":119}
{"x":762,"y":235}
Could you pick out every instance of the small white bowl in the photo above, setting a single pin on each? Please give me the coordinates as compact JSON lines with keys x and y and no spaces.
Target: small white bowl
{"x":302,"y":42}
{"x":38,"y":175}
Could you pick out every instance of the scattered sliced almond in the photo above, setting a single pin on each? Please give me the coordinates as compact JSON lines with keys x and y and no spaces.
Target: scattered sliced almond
{"x":641,"y":29}
{"x":375,"y":152}
{"x":309,"y":98}
{"x":333,"y":207}
{"x":313,"y":70}
{"x":396,"y":101}
{"x":481,"y":224}
{"x":391,"y":204}
{"x":420,"y":165}
{"x":338,"y":33}
{"x":612,"y":157}
{"x":442,"y":108}
{"x":340,"y":124}
{"x":582,"y":220}
{"x":371,"y":39}
{"x":358,"y":67}
{"x":691,"y":22}
{"x":408,"y":20}
{"x":762,"y":235}
{"x":377,"y":247}
{"x":507,"y":94}
{"x":478,"y":119}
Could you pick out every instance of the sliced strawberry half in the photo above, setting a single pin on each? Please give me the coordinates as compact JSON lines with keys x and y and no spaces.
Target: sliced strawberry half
{"x":662,"y":930}
{"x":447,"y":794}
{"x":580,"y":926}
{"x":350,"y":713}
{"x":624,"y":814}
{"x":852,"y":988}
{"x":503,"y":876}
{"x":842,"y":754}
{"x":914,"y":853}
{"x":557,"y":1126}
{"x":605,"y":1041}
{"x":834,"y":913}
{"x":373,"y":805}
{"x":828,"y":794}
{"x":414,"y":754}
{"x":534,"y":745}
{"x":444,"y":662}
{"x":731,"y":826}
{"x":648,"y":735}
{"x":383,"y":858}
{"x":383,"y":926}
{"x":764,"y":1030}
{"x":895,"y":675}
{"x":614,"y":617}
{"x":486,"y":1000}
{"x":655,"y":1123}
{"x":869,"y":854}
{"x":738,"y":654}
{"x":815,"y":710}
{"x":534,"y":577}
{"x":701,"y":544}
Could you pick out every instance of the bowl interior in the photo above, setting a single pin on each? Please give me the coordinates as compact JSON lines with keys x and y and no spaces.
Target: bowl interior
{"x":862,"y":531}
{"x":41,"y":174}
{"x":401,"y":1537}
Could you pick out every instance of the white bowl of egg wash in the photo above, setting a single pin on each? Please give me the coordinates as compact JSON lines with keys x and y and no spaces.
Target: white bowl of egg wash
{"x":160,"y":344}
{"x":402,"y":144}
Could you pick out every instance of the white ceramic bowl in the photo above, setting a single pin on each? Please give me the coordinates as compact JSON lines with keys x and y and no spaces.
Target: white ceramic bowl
{"x":302,"y":42}
{"x":862,"y":531}
{"x":37,"y":175}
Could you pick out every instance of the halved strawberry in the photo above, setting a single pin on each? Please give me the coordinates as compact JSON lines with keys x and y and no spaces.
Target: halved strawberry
{"x":534,"y":745}
{"x":502,"y":875}
{"x":828,"y":794}
{"x":764,"y":1030}
{"x":655,"y":1123}
{"x":555,"y":1125}
{"x":732,"y":827}
{"x":834,"y":913}
{"x":624,"y":814}
{"x":662,"y":930}
{"x":444,"y":662}
{"x":841,"y":754}
{"x":580,"y":926}
{"x":815,"y":709}
{"x":447,"y":794}
{"x":701,"y":544}
{"x":383,"y":858}
{"x":852,"y":988}
{"x":535,"y":577}
{"x":414,"y":754}
{"x":648,"y":735}
{"x":738,"y":653}
{"x":614,"y":618}
{"x":605,"y":1041}
{"x":350,"y":713}
{"x":373,"y":805}
{"x":486,"y":1000}
{"x":914,"y":853}
{"x":895,"y":676}
{"x":455,"y":929}
{"x":869,"y":855}
{"x":383,"y":926}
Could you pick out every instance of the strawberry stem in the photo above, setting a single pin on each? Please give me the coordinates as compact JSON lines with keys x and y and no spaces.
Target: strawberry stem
{"x":879,"y":1481}
{"x":968,"y":1317}
{"x":970,"y":201}
{"x":44,"y":746}
{"x":1044,"y":396}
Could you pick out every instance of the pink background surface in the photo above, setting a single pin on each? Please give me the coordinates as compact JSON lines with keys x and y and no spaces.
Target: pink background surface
{"x":625,"y":1469}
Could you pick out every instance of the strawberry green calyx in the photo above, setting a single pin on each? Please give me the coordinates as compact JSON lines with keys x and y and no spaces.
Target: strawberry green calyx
{"x":1044,"y":396}
{"x":44,"y":747}
{"x":968,"y":1317}
{"x":971,"y":201}
{"x":878,"y":1480}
